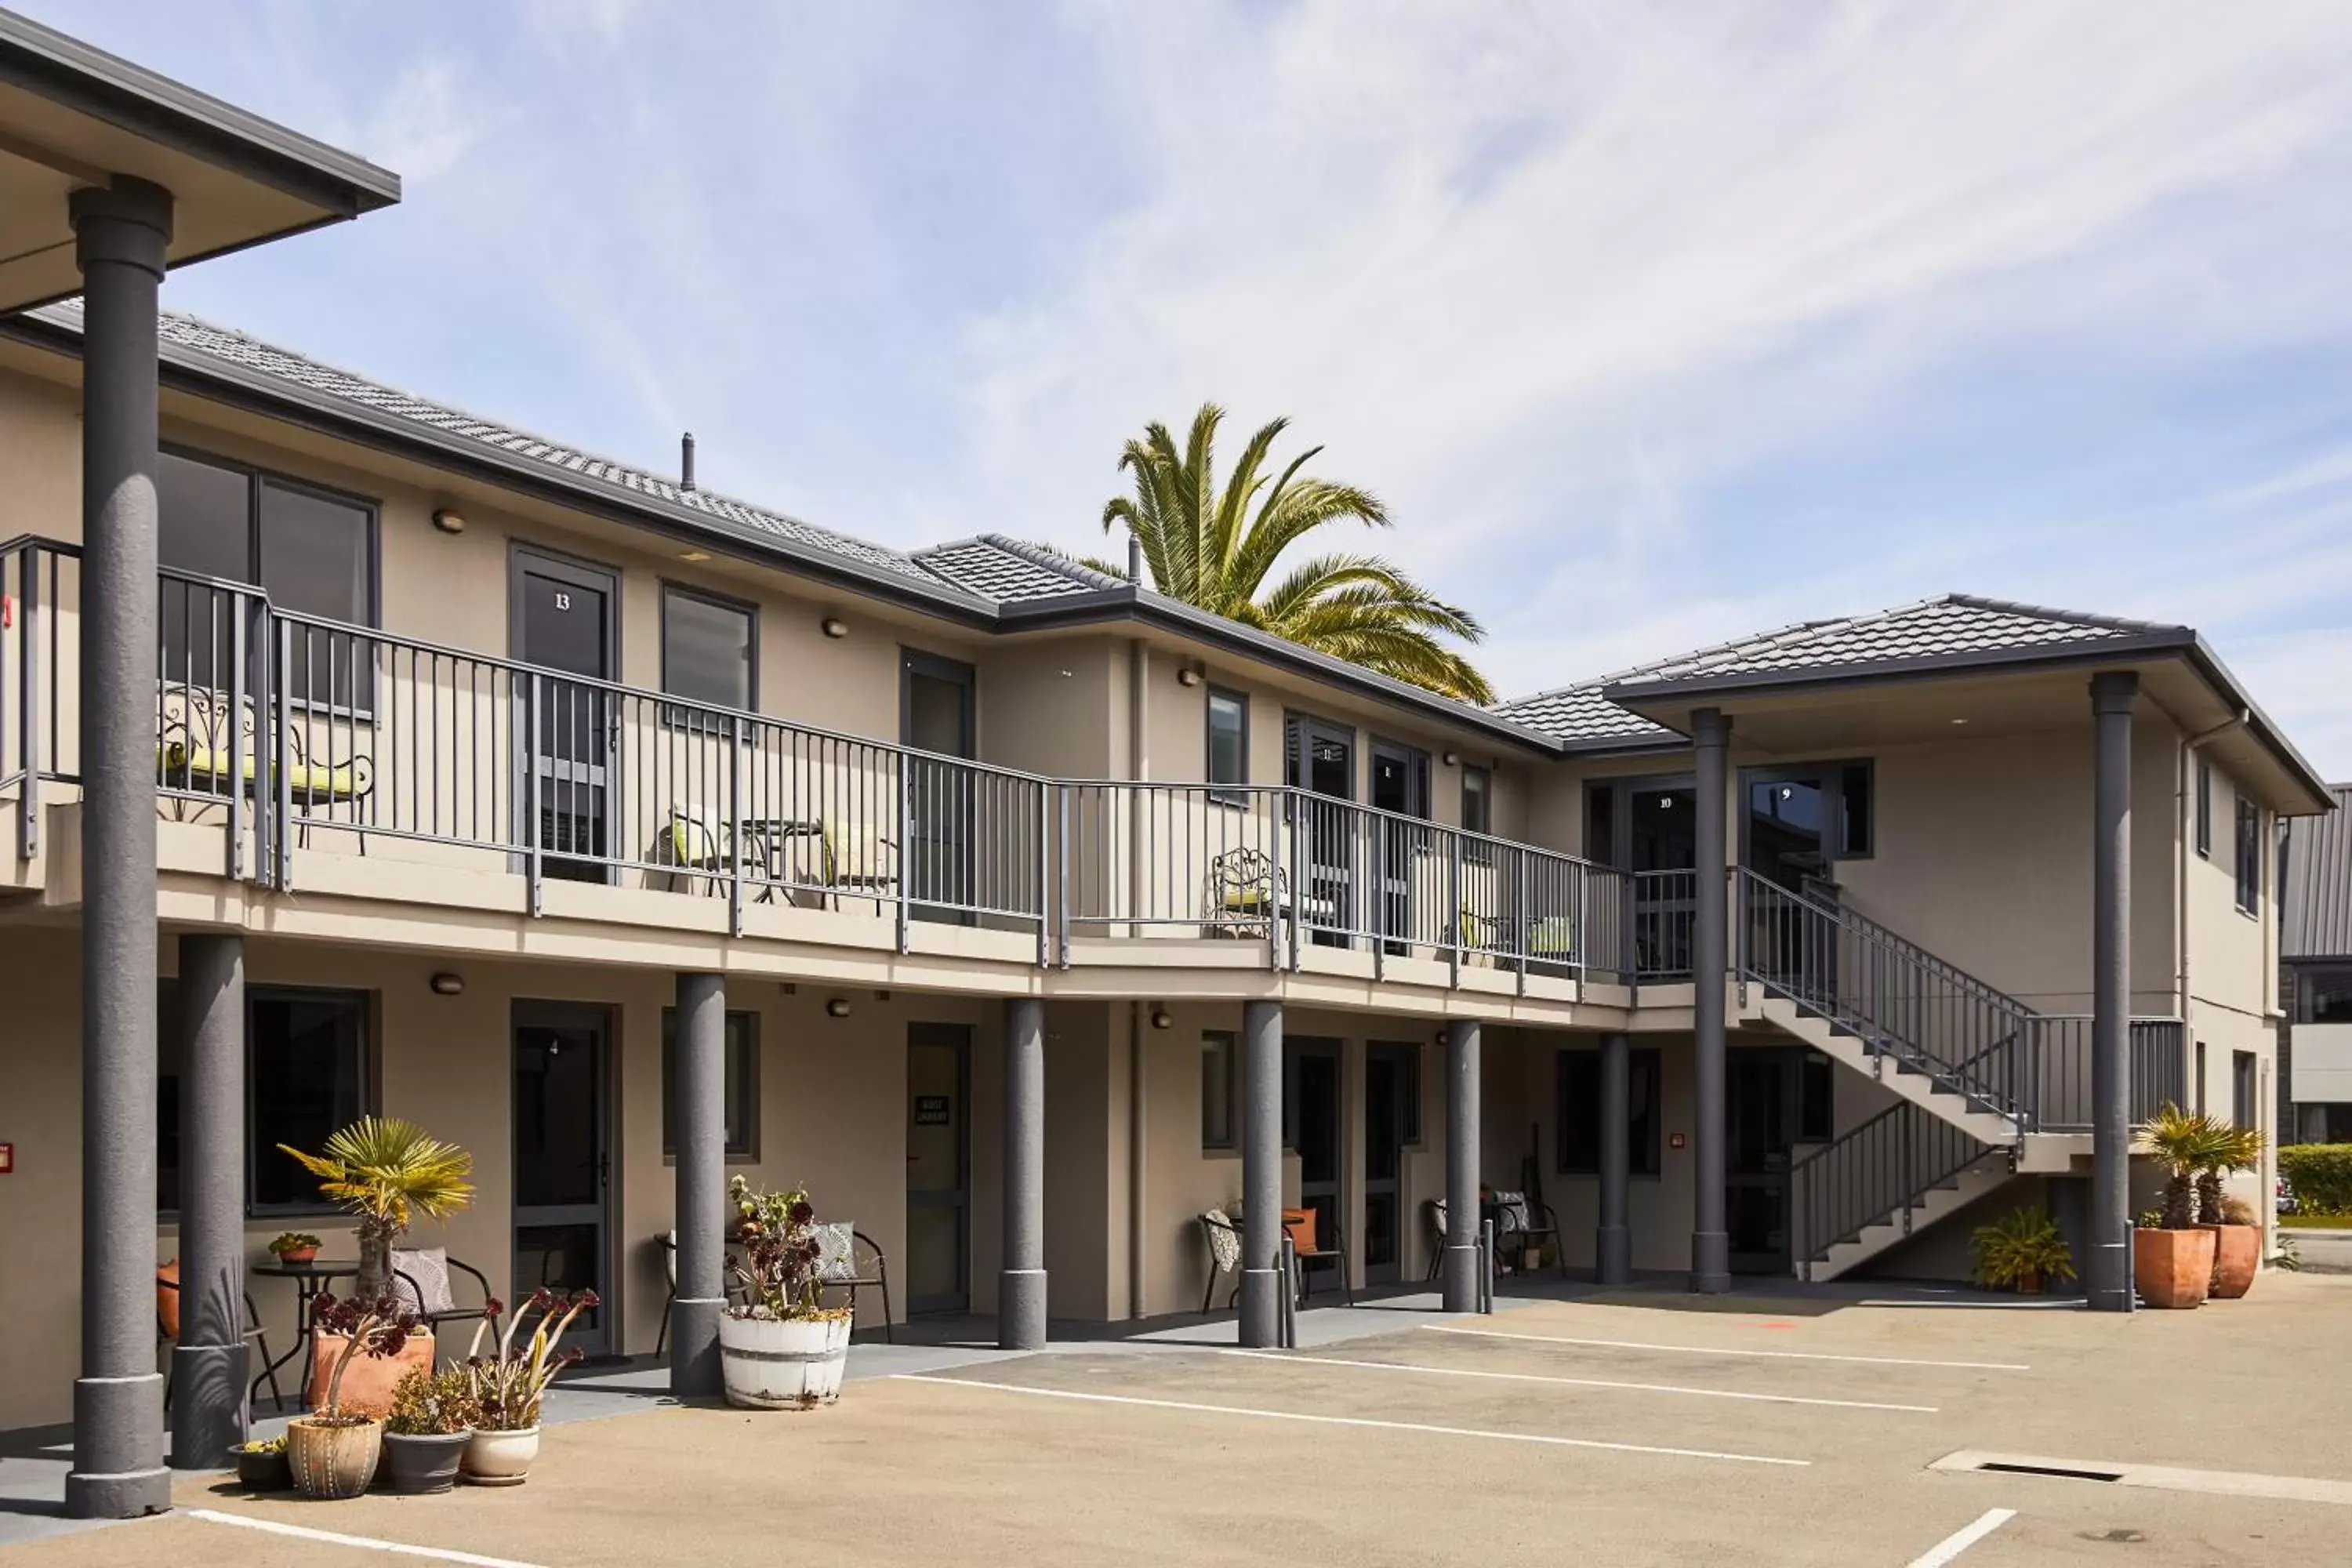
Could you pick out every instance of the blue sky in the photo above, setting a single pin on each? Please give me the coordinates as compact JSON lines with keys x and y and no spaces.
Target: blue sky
{"x":1653,"y":324}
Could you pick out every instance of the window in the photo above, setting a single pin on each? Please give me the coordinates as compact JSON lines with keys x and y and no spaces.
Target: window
{"x":1217,"y":1084}
{"x":311,"y":550}
{"x":742,"y":1072}
{"x":1854,"y":818}
{"x":307,"y":1074}
{"x":2204,"y":808}
{"x":2243,"y":1107}
{"x":2250,"y":855}
{"x":2327,"y":996}
{"x":1477,"y":810}
{"x":1600,"y":824}
{"x":1228,"y":740}
{"x":709,"y":650}
{"x":1579,"y":1112}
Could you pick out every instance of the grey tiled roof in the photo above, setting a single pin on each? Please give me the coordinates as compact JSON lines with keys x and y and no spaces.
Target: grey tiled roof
{"x":1953,"y":626}
{"x":1008,"y":570}
{"x":1950,"y":626}
{"x":1579,"y":713}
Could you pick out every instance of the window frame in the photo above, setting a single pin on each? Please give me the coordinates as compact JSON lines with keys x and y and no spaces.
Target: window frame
{"x":2204,"y":806}
{"x":682,"y":718}
{"x":257,"y":479}
{"x":1646,"y":1154}
{"x":746,"y":1153}
{"x":1225,"y":791}
{"x":2248,"y":857}
{"x":1229,"y":1042}
{"x":2245,"y":1088}
{"x":1477,"y":842}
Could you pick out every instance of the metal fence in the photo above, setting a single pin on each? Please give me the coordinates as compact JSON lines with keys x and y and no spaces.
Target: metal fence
{"x":2158,"y":1055}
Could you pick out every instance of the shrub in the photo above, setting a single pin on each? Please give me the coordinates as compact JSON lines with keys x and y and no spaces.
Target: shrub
{"x":2021,"y":1245}
{"x":2322,"y":1174}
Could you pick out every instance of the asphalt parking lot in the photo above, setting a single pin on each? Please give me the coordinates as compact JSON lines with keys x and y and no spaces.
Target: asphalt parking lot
{"x":1644,"y":1429}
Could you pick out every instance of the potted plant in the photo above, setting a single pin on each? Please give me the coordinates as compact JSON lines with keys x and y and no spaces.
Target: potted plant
{"x":2173,"y":1262}
{"x":2237,"y":1245}
{"x":261,"y":1464}
{"x":508,"y":1387}
{"x":424,"y":1437}
{"x":385,"y":1172}
{"x":333,"y":1454}
{"x":2021,"y":1251}
{"x":295,"y":1247}
{"x":783,"y":1348}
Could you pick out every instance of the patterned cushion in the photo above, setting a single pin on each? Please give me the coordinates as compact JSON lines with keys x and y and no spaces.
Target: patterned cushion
{"x":1510,"y":1213}
{"x":428,"y":1267}
{"x":836,"y":1251}
{"x":1224,"y":1246}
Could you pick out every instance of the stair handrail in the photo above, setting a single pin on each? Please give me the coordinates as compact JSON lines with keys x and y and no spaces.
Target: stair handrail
{"x":1874,"y":1000}
{"x":1876,"y":1170}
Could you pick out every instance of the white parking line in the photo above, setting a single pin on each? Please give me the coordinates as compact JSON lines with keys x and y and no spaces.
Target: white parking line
{"x":1959,"y":1541}
{"x":1729,"y":1350}
{"x":365,"y":1543}
{"x":1582,"y":1382}
{"x":1539,"y":1437}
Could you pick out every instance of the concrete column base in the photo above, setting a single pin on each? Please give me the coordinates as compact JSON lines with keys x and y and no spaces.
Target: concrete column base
{"x":1710,"y":1262}
{"x":1457,"y":1278}
{"x":118,"y":1418}
{"x":209,"y":1388}
{"x":1261,"y":1324}
{"x":1612,"y":1254}
{"x":2108,"y":1279}
{"x":1021,"y":1310}
{"x":694,"y":1348}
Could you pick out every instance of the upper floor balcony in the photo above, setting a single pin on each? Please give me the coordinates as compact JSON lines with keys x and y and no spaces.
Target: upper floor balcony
{"x":297,"y":755}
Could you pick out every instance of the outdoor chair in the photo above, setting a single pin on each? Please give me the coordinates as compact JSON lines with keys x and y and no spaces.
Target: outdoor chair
{"x":860,"y":862}
{"x":849,"y":1259}
{"x":1224,"y":1242}
{"x":1432,"y":1214}
{"x":1521,"y":1223}
{"x":167,"y":1328}
{"x":667,"y":1242}
{"x":193,"y":751}
{"x":1243,"y":893}
{"x":420,"y":1278}
{"x":1305,"y":1226}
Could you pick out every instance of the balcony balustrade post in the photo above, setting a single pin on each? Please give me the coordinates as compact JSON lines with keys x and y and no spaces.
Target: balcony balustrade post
{"x":532,"y":785}
{"x":28,"y":706}
{"x":1523,"y":940}
{"x":236,"y":737}
{"x":281,"y":743}
{"x":735,"y":825}
{"x":1453,"y":899}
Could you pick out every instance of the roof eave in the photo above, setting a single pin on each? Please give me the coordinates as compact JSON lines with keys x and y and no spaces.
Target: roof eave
{"x":2170,"y":639}
{"x":105,"y":87}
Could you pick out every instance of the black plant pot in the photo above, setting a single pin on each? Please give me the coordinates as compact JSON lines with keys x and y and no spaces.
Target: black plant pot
{"x":423,"y":1464}
{"x":264,"y":1472}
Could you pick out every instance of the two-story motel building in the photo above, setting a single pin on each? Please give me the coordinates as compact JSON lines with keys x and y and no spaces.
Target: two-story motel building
{"x":633,"y":836}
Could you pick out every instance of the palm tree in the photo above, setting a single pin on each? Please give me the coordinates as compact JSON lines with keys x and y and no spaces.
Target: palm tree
{"x":1215,"y":549}
{"x":2184,"y":1142}
{"x":386,"y":1172}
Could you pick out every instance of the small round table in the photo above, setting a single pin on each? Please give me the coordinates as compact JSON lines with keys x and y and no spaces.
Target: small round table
{"x":311,"y":1281}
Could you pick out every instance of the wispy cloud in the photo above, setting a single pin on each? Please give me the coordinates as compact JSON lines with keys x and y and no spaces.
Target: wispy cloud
{"x":1653,"y":324}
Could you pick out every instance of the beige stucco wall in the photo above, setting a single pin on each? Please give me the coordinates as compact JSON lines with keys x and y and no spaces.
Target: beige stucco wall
{"x":832,"y":1116}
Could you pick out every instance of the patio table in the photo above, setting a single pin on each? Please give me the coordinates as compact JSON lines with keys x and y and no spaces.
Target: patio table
{"x":311,"y":1281}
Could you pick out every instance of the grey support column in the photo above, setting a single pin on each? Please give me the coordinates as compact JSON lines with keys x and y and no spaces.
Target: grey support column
{"x":118,"y":1467}
{"x":1261,"y":1173}
{"x":2108,"y":1277}
{"x":1710,"y":972}
{"x":1458,"y":1273}
{"x":701,"y":1085}
{"x":1613,"y":1243}
{"x":208,"y":1364}
{"x":1021,"y":1286}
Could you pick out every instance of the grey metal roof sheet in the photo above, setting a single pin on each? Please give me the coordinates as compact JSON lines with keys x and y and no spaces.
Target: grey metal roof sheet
{"x":2315,"y":894}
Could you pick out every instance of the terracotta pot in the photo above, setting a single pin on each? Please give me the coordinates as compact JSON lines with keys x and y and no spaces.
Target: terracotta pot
{"x":332,"y":1461}
{"x":417,"y":1463}
{"x":500,"y":1458}
{"x":264,"y":1472}
{"x":2237,"y":1249}
{"x":298,"y":1255}
{"x":766,"y":1364}
{"x":2029,"y":1282}
{"x":367,"y":1387}
{"x":2172,"y":1268}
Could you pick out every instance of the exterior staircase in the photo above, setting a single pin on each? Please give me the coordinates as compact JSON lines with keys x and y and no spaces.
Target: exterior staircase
{"x":1972,"y":1069}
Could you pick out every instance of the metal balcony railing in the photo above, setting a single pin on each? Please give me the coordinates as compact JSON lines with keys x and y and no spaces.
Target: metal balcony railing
{"x":293,"y":730}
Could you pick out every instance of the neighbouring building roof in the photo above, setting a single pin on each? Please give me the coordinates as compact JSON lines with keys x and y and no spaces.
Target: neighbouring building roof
{"x":2316,"y":890}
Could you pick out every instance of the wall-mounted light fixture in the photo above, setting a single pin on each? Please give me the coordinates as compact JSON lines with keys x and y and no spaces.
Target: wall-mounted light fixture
{"x":1161,"y":1018}
{"x":694,"y":555}
{"x":837,"y":1007}
{"x":449,"y":520}
{"x":881,"y":995}
{"x":1188,"y":676}
{"x":1452,"y":759}
{"x":447,"y":984}
{"x":788,"y":989}
{"x":833,"y":626}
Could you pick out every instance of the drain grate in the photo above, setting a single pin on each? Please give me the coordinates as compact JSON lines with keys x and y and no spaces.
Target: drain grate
{"x":2030,"y":1467}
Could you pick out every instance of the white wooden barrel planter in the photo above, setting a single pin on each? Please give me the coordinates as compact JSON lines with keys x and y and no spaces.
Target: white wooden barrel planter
{"x":768,"y":1364}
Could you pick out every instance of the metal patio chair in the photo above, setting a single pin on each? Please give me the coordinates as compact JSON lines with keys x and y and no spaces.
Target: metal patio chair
{"x":193,"y":752}
{"x":1223,"y":1238}
{"x":848,"y":1259}
{"x":167,"y":1329}
{"x":420,"y":1278}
